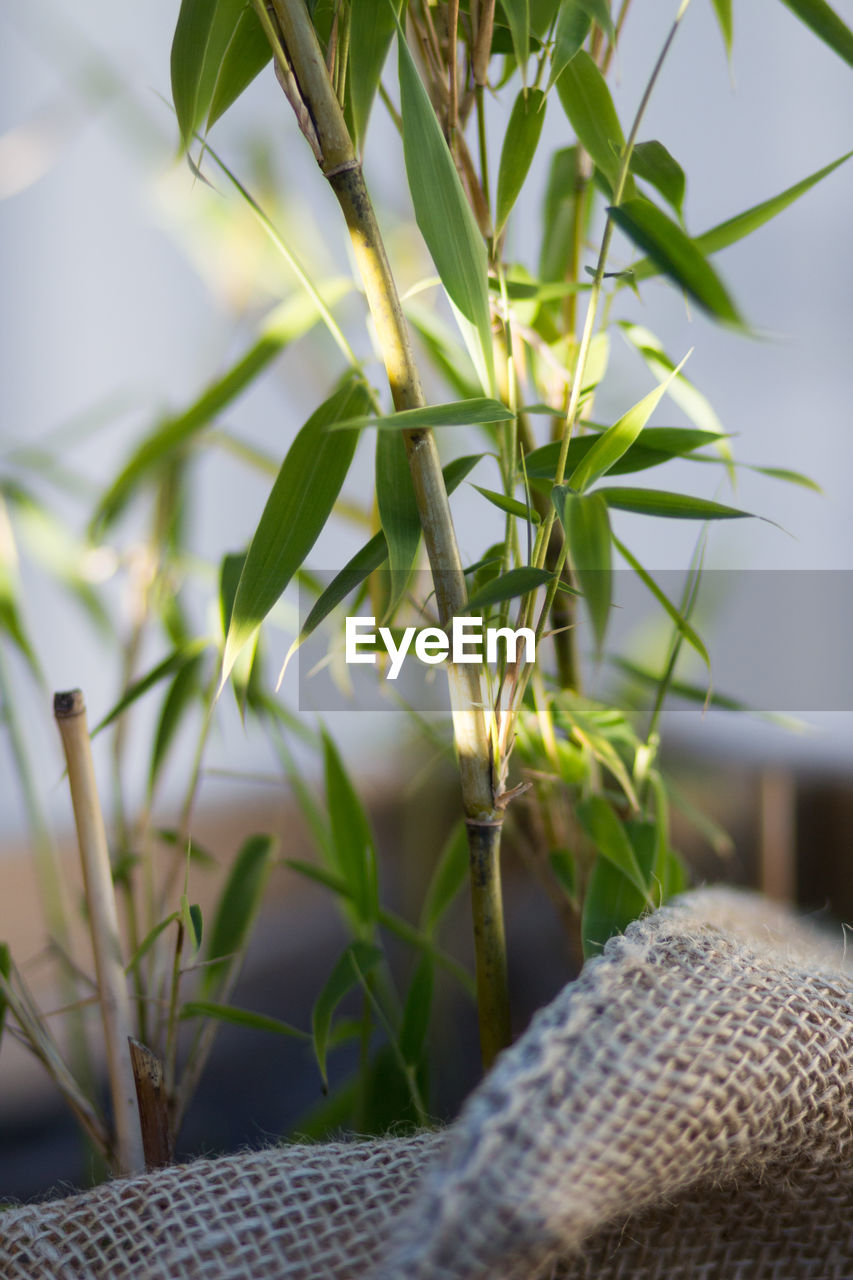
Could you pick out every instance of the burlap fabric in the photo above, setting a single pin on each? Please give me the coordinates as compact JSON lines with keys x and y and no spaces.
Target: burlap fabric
{"x":685,"y":1109}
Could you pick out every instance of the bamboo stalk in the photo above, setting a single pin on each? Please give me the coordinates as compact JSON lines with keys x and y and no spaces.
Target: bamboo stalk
{"x":70,"y":712}
{"x":470,"y":702}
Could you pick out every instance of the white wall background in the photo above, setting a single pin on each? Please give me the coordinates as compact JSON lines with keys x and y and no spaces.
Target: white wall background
{"x":112,"y":287}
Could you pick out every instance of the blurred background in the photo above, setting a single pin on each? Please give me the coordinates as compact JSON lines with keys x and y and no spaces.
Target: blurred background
{"x":129,"y":284}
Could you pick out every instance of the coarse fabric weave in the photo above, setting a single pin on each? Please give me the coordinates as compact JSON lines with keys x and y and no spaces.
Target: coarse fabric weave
{"x":685,"y":1109}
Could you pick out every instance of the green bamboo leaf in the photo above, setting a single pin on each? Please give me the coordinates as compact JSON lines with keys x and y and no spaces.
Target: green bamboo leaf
{"x":368,"y":558}
{"x":398,"y":511}
{"x":11,"y":621}
{"x":447,"y":355}
{"x":191,"y":918}
{"x":182,"y":692}
{"x":826,"y":24}
{"x":240,"y":1018}
{"x":587,"y":102}
{"x":610,"y":903}
{"x":610,"y":838}
{"x":448,"y":879}
{"x":792,"y":477}
{"x":417,"y":1010}
{"x":743,"y":224}
{"x":652,"y":162}
{"x":148,"y":942}
{"x":676,"y":506}
{"x":357,"y":960}
{"x":688,"y":397}
{"x":170,"y":664}
{"x":723,"y":10}
{"x":513,"y":583}
{"x":655,"y":446}
{"x":328,"y":879}
{"x":288,"y":322}
{"x":371,"y":29}
{"x":587,"y":525}
{"x":512,"y":506}
{"x":690,"y":635}
{"x":518,"y":16}
{"x":564,"y":869}
{"x":519,"y":147}
{"x":246,"y":54}
{"x":460,"y":413}
{"x":442,"y":211}
{"x":676,"y":255}
{"x":353,"y":849}
{"x":573,"y":24}
{"x":298,"y":507}
{"x":617,"y":440}
{"x":238,"y":905}
{"x":202,"y":36}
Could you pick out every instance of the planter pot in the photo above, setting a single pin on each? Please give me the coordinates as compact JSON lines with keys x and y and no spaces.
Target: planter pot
{"x":685,"y":1108}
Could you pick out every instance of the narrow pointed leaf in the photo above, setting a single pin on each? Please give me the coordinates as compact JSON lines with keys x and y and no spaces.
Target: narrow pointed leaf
{"x":398,"y":511}
{"x":655,"y":446}
{"x":301,"y":502}
{"x":826,"y":24}
{"x":617,"y":440}
{"x":373,"y":555}
{"x":518,"y":16}
{"x":203,"y":33}
{"x":512,"y":506}
{"x":358,"y":959}
{"x":676,"y":255}
{"x":459,"y":413}
{"x":287,"y":323}
{"x":573,"y":24}
{"x":690,"y":635}
{"x":513,"y":583}
{"x":587,"y":527}
{"x":587,"y":102}
{"x":353,"y":850}
{"x":676,"y":506}
{"x":184,"y":689}
{"x":246,"y":54}
{"x":743,"y":224}
{"x":441,"y":208}
{"x":519,"y":147}
{"x":240,"y":1018}
{"x":652,"y":162}
{"x":148,"y":942}
{"x":723,"y":10}
{"x":174,"y":662}
{"x":371,"y":30}
{"x":610,"y":838}
{"x":688,"y":397}
{"x":238,"y":905}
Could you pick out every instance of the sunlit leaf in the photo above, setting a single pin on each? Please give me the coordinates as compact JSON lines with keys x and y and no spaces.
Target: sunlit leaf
{"x":440,"y":204}
{"x":357,"y":960}
{"x":519,"y":147}
{"x":237,"y":908}
{"x":613,"y":443}
{"x":371,"y":29}
{"x":204,"y":31}
{"x":298,"y":507}
{"x":723,"y":10}
{"x":676,"y":255}
{"x":655,"y":446}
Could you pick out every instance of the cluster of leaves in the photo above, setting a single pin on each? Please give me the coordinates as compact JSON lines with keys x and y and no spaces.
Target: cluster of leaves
{"x":521,"y":354}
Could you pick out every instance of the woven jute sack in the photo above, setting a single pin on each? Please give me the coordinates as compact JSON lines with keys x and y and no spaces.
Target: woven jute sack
{"x":685,"y":1109}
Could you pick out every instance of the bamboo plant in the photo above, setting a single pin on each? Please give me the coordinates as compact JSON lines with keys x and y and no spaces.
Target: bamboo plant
{"x":514,"y":354}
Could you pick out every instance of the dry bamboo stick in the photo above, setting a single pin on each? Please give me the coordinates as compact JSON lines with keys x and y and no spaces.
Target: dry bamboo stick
{"x":70,"y":712}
